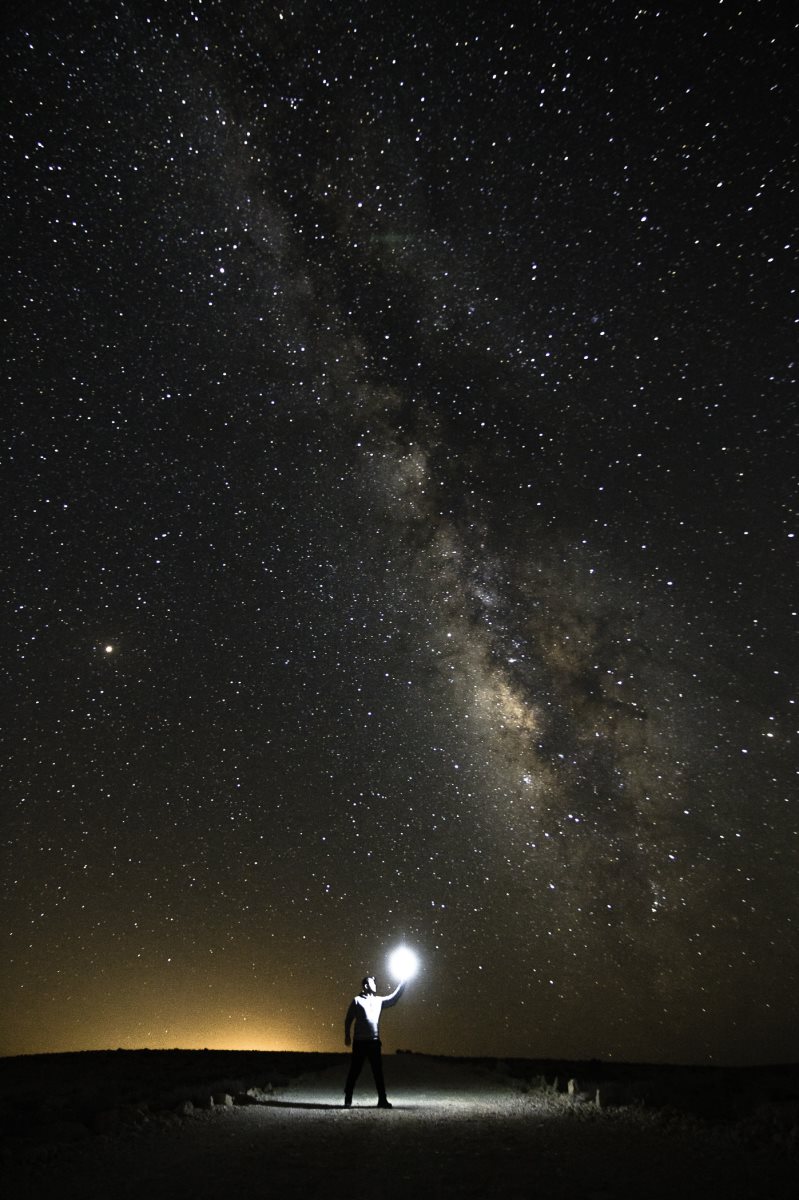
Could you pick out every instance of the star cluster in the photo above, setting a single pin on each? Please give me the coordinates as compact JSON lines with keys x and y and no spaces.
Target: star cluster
{"x":400,"y":450}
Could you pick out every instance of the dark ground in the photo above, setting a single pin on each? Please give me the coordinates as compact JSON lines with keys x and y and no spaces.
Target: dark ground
{"x":98,"y":1124}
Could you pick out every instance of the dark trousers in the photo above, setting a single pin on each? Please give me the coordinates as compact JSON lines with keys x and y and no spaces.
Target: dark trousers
{"x":362,"y":1049}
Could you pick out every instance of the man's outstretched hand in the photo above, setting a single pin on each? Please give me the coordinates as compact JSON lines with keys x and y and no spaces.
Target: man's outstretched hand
{"x":347,"y":1040}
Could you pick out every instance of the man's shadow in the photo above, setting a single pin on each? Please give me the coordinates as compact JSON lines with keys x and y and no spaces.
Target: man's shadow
{"x":313,"y":1104}
{"x":295,"y":1104}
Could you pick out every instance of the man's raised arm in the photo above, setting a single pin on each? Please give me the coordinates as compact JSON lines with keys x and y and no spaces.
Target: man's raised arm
{"x":394,"y":996}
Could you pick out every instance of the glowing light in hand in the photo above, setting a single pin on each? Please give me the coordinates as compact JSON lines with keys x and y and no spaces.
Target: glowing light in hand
{"x":403,"y":964}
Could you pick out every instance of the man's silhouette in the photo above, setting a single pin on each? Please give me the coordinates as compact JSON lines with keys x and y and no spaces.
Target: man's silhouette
{"x":365,"y":1011}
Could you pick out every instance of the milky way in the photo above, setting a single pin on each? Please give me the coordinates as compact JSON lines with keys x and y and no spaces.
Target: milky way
{"x":400,"y":440}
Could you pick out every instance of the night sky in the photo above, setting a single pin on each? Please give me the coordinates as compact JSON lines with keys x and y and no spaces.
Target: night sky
{"x":399,"y":439}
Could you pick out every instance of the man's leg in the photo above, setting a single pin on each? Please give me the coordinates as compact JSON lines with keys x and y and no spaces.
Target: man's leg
{"x":359,"y":1049}
{"x":374,"y":1052}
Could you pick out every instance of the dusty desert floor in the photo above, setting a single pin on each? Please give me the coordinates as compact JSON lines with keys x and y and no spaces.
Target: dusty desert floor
{"x":455,"y":1130}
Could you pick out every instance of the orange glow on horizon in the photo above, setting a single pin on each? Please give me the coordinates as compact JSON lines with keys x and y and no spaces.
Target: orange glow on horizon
{"x":170,"y":1040}
{"x":103,"y":1031}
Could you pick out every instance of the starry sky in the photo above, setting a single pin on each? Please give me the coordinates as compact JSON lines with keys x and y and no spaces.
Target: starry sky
{"x":399,"y":447}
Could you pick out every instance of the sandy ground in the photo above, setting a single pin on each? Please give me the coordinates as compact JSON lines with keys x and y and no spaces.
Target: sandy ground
{"x":454,"y":1130}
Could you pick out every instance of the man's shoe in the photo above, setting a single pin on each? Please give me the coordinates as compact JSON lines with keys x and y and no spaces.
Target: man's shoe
{"x":384,"y":1103}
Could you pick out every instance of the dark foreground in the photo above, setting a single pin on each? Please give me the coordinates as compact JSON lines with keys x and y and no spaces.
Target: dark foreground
{"x":457,"y":1128}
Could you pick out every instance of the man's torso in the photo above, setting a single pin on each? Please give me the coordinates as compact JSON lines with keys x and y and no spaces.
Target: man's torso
{"x":367,"y":1017}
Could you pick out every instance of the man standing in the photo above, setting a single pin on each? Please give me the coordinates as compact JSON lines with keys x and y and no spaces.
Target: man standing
{"x":365,"y":1011}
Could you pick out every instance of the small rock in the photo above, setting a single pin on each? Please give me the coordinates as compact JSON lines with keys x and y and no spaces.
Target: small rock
{"x":608,"y":1095}
{"x":223,"y":1099}
{"x":184,"y":1109}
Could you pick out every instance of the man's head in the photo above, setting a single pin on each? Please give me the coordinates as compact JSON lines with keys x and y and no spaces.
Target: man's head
{"x":369,"y":985}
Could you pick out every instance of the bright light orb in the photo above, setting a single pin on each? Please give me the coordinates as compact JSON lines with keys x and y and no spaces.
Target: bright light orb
{"x":403,"y":964}
{"x":109,"y":649}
